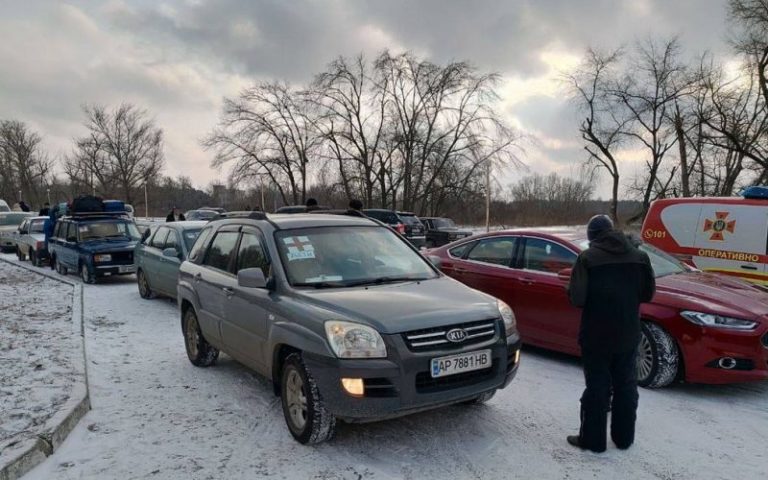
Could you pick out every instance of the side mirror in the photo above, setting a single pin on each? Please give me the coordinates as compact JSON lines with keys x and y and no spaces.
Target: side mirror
{"x":171,"y":253}
{"x":251,"y":278}
{"x":436,"y":261}
{"x":565,"y":274}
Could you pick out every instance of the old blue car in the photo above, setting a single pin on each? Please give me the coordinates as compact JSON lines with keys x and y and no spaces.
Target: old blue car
{"x":160,"y":254}
{"x":94,"y":245}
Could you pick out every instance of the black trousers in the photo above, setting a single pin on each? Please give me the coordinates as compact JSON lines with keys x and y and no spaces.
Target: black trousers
{"x":607,"y":374}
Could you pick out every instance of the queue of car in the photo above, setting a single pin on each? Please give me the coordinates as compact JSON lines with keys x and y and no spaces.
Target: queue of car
{"x":351,"y":319}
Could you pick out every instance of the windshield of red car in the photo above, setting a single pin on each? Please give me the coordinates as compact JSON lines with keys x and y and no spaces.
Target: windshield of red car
{"x":662,"y":263}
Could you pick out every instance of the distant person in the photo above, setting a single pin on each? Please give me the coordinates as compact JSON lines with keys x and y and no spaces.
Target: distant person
{"x":175,"y":215}
{"x":45,"y":211}
{"x":610,"y":280}
{"x":355,"y":208}
{"x":23,"y":206}
{"x":312,"y":205}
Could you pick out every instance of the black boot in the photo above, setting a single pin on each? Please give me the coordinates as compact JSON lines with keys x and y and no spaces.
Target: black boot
{"x":574,"y":440}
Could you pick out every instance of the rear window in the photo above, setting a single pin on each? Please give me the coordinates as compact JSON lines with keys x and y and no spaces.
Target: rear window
{"x":107,"y":229}
{"x":385,"y":216}
{"x":37,"y":226}
{"x":443,"y":223}
{"x":411,"y":220}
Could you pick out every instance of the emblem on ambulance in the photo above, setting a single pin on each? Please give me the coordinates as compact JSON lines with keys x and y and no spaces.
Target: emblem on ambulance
{"x":719,"y":226}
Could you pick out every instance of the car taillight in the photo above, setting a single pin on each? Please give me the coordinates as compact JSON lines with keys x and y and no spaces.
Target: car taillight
{"x":40,"y":245}
{"x":400,"y":228}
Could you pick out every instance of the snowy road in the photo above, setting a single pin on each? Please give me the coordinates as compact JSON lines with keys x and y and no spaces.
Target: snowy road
{"x":156,"y":416}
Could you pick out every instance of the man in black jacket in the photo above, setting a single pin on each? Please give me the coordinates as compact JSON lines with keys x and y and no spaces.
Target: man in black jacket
{"x":609,"y":282}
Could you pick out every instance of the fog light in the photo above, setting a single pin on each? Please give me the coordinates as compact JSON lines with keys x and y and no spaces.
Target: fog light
{"x":517,"y":356}
{"x":353,"y":386}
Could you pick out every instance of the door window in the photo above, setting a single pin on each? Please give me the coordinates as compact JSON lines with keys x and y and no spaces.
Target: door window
{"x":71,"y":232}
{"x":459,"y":251}
{"x":173,"y":241}
{"x":221,"y":250}
{"x":497,"y":251}
{"x":59,"y":230}
{"x":545,"y":256}
{"x":196,"y":253}
{"x":251,"y":254}
{"x":158,"y":240}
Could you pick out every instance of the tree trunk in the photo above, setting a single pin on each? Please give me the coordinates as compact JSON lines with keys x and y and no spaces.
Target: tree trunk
{"x":684,"y":173}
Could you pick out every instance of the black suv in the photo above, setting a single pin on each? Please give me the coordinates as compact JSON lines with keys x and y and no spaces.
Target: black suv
{"x":402,"y":223}
{"x":346,"y":319}
{"x":440,"y":230}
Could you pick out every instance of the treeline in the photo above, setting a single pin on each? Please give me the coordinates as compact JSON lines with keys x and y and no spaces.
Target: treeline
{"x":701,"y":128}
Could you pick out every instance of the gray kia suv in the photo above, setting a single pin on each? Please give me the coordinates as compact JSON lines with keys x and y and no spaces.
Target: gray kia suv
{"x":344,"y":316}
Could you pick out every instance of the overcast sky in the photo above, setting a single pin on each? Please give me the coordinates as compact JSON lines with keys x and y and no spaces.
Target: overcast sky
{"x":178,"y":59}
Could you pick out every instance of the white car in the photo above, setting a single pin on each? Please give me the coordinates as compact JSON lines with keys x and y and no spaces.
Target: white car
{"x":30,"y":240}
{"x":4,"y":206}
{"x":9,"y":228}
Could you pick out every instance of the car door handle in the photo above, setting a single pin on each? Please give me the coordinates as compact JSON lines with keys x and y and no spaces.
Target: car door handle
{"x":749,"y":267}
{"x":228,"y":291}
{"x":528,"y":281}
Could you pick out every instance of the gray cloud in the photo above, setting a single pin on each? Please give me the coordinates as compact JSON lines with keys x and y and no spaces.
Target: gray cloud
{"x":179,"y":58}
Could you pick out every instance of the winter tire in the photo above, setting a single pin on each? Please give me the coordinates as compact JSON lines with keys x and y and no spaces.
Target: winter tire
{"x":33,"y":259}
{"x":60,"y":268}
{"x":21,"y":256}
{"x":200,"y":352}
{"x":144,"y":290}
{"x":305,"y":414}
{"x":481,"y":399}
{"x":658,"y":358}
{"x":86,"y":276}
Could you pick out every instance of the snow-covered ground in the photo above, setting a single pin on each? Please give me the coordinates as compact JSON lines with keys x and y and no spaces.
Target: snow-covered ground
{"x":38,"y":352}
{"x":156,"y":416}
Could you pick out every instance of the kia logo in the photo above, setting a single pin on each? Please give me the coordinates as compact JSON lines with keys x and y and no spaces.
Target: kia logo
{"x":457,"y":335}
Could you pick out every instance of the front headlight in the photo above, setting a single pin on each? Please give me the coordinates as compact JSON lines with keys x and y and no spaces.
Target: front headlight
{"x":510,"y":324}
{"x":353,"y":340}
{"x":102,"y":258}
{"x":717,"y":321}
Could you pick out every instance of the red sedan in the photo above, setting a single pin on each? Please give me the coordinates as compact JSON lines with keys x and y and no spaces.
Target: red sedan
{"x":700,"y":327}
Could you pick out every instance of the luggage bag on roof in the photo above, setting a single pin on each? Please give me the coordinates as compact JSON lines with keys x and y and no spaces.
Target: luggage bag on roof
{"x":87,"y":204}
{"x":756,"y":192}
{"x":114,"y":206}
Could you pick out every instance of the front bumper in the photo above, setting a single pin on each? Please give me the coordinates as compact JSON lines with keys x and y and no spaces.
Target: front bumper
{"x":401,"y":384}
{"x":703,"y":349}
{"x":110,"y":270}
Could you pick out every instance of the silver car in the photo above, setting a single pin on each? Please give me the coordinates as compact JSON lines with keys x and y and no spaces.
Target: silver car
{"x":344,"y":316}
{"x":9,"y":229}
{"x":30,"y":241}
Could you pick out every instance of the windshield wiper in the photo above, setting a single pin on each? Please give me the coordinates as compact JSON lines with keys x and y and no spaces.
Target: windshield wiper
{"x":320,"y":284}
{"x":382,"y":280}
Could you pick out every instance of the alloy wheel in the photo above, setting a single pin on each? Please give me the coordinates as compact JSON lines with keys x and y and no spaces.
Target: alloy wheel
{"x":192,"y":336}
{"x":644,"y":357}
{"x":296,"y":399}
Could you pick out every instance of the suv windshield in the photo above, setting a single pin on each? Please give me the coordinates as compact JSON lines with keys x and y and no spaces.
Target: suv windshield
{"x":107,"y":229}
{"x":386,"y":216}
{"x":443,"y":223}
{"x":13,"y":218}
{"x":410,"y":220}
{"x":348,"y":256}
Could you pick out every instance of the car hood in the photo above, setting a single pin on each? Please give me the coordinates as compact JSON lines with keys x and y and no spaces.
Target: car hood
{"x":709,"y":293}
{"x":8,"y":228}
{"x":109,"y":246}
{"x":400,"y":307}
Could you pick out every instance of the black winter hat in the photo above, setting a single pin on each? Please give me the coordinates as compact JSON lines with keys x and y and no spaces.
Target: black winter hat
{"x":597,"y":225}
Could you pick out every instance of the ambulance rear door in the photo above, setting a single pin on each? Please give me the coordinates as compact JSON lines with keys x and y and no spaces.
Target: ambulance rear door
{"x":732,"y":239}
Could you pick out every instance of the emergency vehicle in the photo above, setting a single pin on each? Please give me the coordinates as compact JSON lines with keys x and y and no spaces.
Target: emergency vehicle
{"x":723,"y":235}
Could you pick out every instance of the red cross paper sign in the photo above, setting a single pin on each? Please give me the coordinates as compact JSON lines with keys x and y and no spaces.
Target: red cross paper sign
{"x":719,"y":225}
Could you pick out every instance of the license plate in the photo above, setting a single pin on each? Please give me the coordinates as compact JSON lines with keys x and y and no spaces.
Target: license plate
{"x":126,"y":269}
{"x":463,"y":362}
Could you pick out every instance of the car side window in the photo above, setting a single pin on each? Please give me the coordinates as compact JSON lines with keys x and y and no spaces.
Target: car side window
{"x":221,"y":250}
{"x":459,"y":251}
{"x":72,"y":232}
{"x":251,"y":254}
{"x":173,"y":241}
{"x":497,"y":251}
{"x":23,"y":227}
{"x":545,"y":256}
{"x":57,"y":230}
{"x":158,"y":239}
{"x":196,"y":253}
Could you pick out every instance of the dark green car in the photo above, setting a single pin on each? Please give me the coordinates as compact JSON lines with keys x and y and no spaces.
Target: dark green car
{"x":160,"y":254}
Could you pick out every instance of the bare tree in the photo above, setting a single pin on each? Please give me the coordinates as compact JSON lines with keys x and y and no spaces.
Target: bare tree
{"x":751,"y":19}
{"x":123,"y":150}
{"x":25,"y":169}
{"x":268,"y":130}
{"x":603,"y":126}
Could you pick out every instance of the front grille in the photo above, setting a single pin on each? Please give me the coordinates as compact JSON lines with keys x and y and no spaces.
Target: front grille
{"x":379,"y":387}
{"x":427,"y":339}
{"x":426,"y":384}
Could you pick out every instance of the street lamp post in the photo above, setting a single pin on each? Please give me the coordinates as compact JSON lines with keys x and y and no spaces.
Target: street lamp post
{"x":146,"y":201}
{"x":48,"y":195}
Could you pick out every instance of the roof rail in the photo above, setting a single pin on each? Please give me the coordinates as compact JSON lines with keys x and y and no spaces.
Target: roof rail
{"x":349,"y":212}
{"x":116,"y":213}
{"x":252,"y":215}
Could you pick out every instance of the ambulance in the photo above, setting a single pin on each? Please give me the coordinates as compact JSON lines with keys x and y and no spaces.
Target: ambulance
{"x":721,"y":235}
